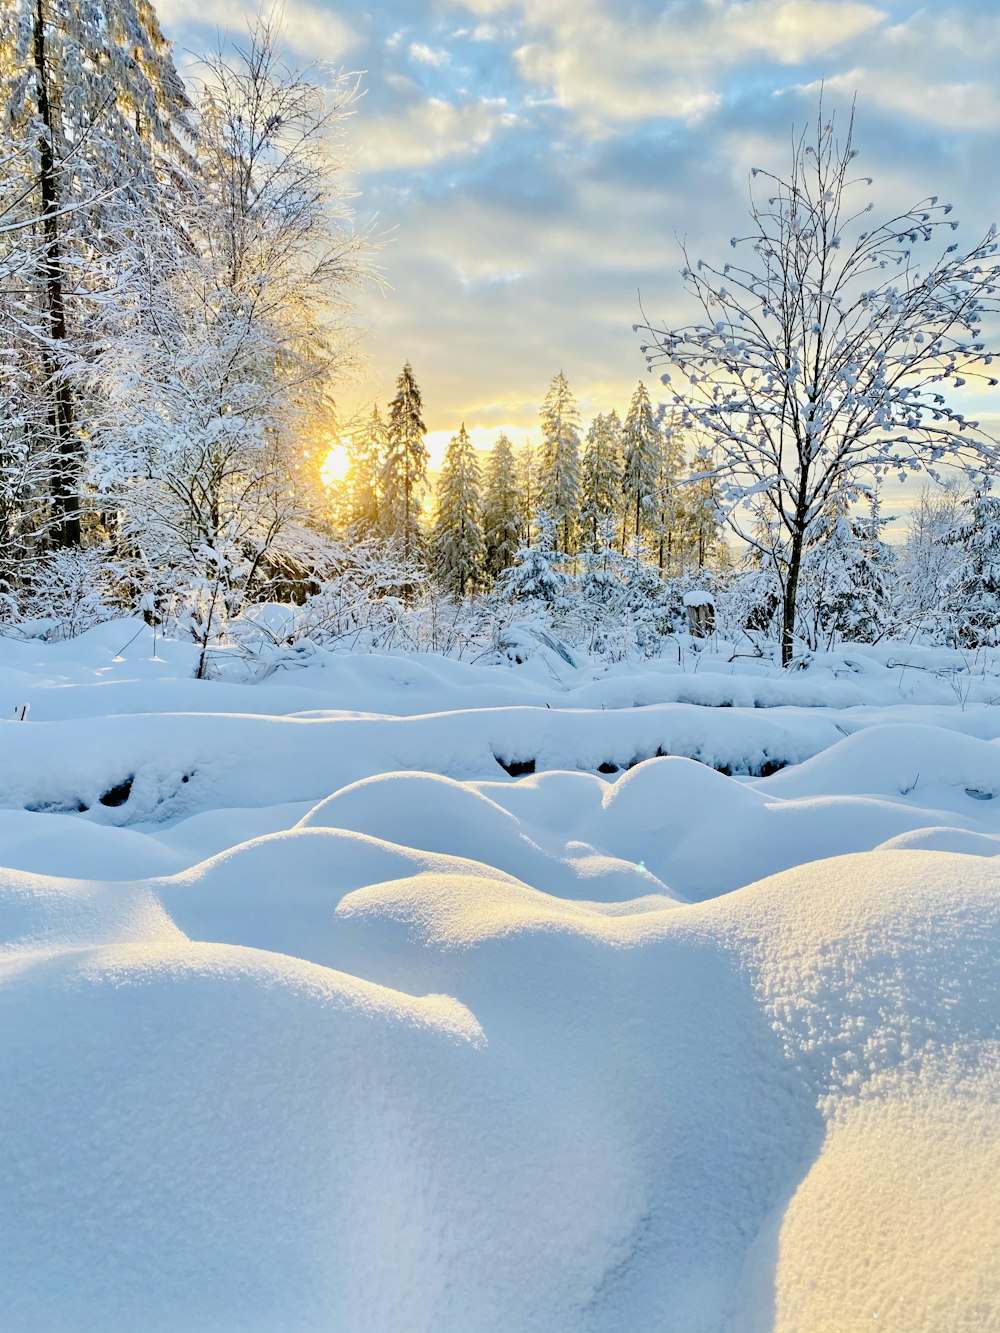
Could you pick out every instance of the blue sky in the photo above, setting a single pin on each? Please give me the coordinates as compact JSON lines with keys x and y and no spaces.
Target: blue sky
{"x":532,"y":164}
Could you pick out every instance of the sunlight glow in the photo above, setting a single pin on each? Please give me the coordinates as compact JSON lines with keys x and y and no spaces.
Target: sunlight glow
{"x":336,"y":465}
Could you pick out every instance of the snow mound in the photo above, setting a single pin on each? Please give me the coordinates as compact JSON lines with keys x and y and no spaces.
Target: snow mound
{"x":895,"y":759}
{"x":438,"y":814}
{"x":220,"y":1138}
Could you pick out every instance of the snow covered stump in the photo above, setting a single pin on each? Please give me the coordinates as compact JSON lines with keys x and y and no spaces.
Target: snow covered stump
{"x":700,"y":606}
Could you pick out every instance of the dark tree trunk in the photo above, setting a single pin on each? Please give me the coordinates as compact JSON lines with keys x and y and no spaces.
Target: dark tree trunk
{"x":66,"y":472}
{"x":788,"y":601}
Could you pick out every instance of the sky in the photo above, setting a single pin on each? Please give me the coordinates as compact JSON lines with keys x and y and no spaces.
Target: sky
{"x":531,"y":166}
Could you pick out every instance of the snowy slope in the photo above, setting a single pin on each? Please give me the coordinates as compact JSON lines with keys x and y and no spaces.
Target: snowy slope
{"x":354,"y":1031}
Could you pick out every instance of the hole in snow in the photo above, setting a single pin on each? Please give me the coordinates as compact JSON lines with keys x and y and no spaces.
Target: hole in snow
{"x":118,"y":795}
{"x":517,"y":768}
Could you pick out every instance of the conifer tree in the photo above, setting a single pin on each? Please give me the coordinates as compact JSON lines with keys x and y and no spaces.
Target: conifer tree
{"x":527,"y":480}
{"x":503,"y":509}
{"x":601,"y":477}
{"x":366,"y":451}
{"x":404,"y":471}
{"x":536,"y":576}
{"x":669,"y":495}
{"x":640,"y":463}
{"x":457,"y":533}
{"x":973,"y":596}
{"x":559,"y":465}
{"x":91,"y":93}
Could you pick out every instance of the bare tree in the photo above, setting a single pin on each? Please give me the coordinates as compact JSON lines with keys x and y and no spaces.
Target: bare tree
{"x":820,"y":362}
{"x":220,"y":380}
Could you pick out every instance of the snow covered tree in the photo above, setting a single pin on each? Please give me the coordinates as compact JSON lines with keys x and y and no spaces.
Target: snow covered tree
{"x":503,"y":509}
{"x":527,"y":479}
{"x":930,"y":556}
{"x":535,"y":577}
{"x":90,"y":92}
{"x":559,"y":462}
{"x":601,"y":478}
{"x":973,"y":594}
{"x":366,"y":450}
{"x":846,"y":574}
{"x":640,"y":464}
{"x":670,"y":495}
{"x":404,"y":470}
{"x":457,"y":535}
{"x":820,"y":360}
{"x":218,"y":378}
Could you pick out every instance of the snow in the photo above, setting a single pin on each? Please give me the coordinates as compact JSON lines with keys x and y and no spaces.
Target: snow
{"x":354,"y":1030}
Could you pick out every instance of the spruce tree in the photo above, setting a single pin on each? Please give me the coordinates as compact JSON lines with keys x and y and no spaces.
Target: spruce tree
{"x":404,"y":471}
{"x":527,"y":480}
{"x":601,"y":478}
{"x":670,"y":495}
{"x":366,"y":451}
{"x":457,"y":552}
{"x":559,"y":469}
{"x":973,"y":596}
{"x":640,"y":463}
{"x":503,"y":509}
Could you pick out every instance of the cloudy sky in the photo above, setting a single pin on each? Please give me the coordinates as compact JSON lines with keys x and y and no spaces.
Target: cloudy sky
{"x":532,"y":162}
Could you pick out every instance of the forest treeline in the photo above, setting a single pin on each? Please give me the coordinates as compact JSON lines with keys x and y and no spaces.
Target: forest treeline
{"x":178,"y":275}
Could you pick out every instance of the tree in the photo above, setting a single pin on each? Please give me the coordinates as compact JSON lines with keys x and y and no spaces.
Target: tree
{"x":458,"y":534}
{"x":404,"y":472}
{"x":559,"y":467}
{"x":672,"y":499}
{"x":818,"y":363}
{"x":503,"y":509}
{"x":973,"y":592}
{"x":930,"y":555}
{"x":640,"y":462}
{"x":90,"y":92}
{"x":366,"y":450}
{"x":218,"y":377}
{"x":527,"y":480}
{"x":601,"y":477}
{"x":536,"y":576}
{"x":844,"y":588}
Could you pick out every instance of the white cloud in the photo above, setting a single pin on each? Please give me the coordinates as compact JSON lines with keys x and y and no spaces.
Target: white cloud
{"x":430,"y":131}
{"x":609,"y":65}
{"x":428,"y":55}
{"x":309,"y":30}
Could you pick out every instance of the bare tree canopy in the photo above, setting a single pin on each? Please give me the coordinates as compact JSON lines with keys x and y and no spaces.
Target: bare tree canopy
{"x":821,"y":360}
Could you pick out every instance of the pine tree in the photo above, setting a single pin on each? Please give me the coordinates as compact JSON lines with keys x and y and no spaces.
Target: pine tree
{"x":457,"y":532}
{"x":601,"y":477}
{"x":559,"y":469}
{"x":640,"y":463}
{"x":503,"y":509}
{"x":404,"y":471}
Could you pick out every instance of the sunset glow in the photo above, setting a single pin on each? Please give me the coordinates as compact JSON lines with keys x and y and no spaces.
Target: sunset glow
{"x":336,"y":465}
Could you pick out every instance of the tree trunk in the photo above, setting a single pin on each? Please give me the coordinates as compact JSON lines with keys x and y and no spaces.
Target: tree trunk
{"x":66,"y":474}
{"x":788,"y":601}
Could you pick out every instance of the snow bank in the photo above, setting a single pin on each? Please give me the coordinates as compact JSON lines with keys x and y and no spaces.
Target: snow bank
{"x":355,"y":1030}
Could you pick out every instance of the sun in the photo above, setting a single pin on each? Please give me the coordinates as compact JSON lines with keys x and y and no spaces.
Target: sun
{"x":335,"y":465}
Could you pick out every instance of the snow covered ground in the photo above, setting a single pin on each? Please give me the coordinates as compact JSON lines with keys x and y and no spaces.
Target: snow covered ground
{"x":401,"y":994}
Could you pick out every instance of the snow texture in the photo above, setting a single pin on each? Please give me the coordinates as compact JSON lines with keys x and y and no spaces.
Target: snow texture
{"x":354,"y":1030}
